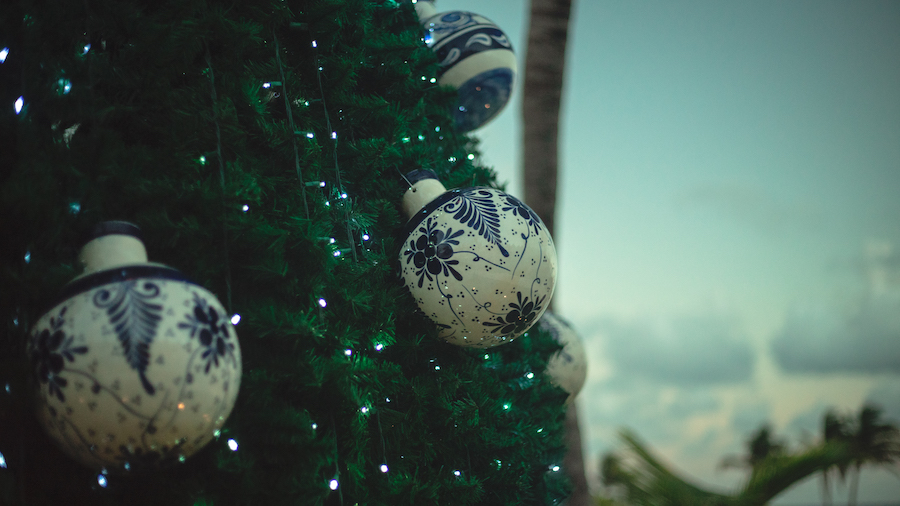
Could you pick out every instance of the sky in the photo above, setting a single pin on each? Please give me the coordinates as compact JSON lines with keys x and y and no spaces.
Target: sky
{"x":728,"y":220}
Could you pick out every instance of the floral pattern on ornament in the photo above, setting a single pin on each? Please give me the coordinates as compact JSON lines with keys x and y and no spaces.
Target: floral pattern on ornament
{"x":431,"y":252}
{"x":519,"y":318}
{"x":49,"y":354}
{"x":519,"y":209}
{"x":211,"y":330}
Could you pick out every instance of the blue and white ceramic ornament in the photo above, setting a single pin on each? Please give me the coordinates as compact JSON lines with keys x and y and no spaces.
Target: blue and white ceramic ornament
{"x":567,"y":368}
{"x":134,"y":366}
{"x":476,"y":59}
{"x":478,"y":262}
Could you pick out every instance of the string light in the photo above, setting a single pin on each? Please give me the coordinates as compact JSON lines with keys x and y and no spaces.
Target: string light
{"x":348,"y":352}
{"x":433,"y":80}
{"x":323,"y":303}
{"x":540,"y":430}
{"x":245,"y":208}
{"x":3,"y":54}
{"x":3,"y":459}
{"x":554,"y":468}
{"x":87,"y":47}
{"x":235,"y":319}
{"x":379,"y":347}
{"x":101,"y":478}
{"x":27,"y":257}
{"x":457,"y":473}
{"x":314,"y":44}
{"x":334,"y":135}
{"x":364,"y":410}
{"x":202,"y":160}
{"x":471,"y":156}
{"x":65,"y":86}
{"x":384,"y":468}
{"x":217,"y":433}
{"x":267,"y":85}
{"x":333,"y":484}
{"x":365,"y":237}
{"x":8,"y":389}
{"x":506,"y":406}
{"x":20,"y":102}
{"x":315,"y":426}
{"x":309,"y":135}
{"x":127,"y":466}
{"x":233,"y":445}
{"x":530,"y":375}
{"x":74,"y":208}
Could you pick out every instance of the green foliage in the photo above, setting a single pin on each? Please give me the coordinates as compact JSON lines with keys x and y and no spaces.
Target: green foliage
{"x":168,"y":124}
{"x":637,"y":475}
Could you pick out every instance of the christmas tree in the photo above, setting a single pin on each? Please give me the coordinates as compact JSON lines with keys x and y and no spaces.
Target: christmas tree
{"x":261,"y":148}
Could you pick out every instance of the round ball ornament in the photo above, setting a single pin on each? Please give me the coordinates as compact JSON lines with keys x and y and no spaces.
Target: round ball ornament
{"x":476,"y":58}
{"x":478,"y":262}
{"x":567,"y":368}
{"x":134,"y":366}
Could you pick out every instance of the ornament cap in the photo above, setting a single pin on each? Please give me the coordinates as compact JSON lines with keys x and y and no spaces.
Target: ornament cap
{"x":425,"y":9}
{"x":112,"y":244}
{"x":424,"y":187}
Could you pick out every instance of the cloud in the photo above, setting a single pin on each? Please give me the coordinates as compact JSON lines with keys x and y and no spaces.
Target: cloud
{"x":682,"y":351}
{"x":862,"y":338}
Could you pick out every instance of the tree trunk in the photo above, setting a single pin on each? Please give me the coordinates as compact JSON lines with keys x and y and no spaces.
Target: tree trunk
{"x":854,"y":486}
{"x":544,"y":70}
{"x":544,"y":65}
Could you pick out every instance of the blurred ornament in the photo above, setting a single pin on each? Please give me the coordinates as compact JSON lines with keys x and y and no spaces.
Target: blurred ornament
{"x":476,"y":59}
{"x":479,"y":263}
{"x":134,"y":365}
{"x":567,"y":368}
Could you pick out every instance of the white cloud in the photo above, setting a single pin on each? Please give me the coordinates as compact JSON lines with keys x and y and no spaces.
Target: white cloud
{"x":682,"y":351}
{"x":863,"y":337}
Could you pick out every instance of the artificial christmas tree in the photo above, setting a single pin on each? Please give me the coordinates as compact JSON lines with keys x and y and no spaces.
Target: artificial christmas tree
{"x":260,"y":147}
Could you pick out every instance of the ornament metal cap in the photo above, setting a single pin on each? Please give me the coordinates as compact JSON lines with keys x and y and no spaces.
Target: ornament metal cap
{"x":112,"y":244}
{"x":424,"y":187}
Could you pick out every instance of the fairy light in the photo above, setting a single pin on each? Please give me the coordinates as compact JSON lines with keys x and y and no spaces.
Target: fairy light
{"x":334,"y":135}
{"x":65,"y":86}
{"x":27,"y":257}
{"x":20,"y":102}
{"x":310,"y":135}
{"x":232,"y":445}
{"x":245,"y":208}
{"x":365,"y":237}
{"x":384,"y":468}
{"x":364,"y":410}
{"x":87,"y":47}
{"x":102,"y":481}
{"x":421,"y":137}
{"x":471,"y":156}
{"x":486,"y":356}
{"x":314,"y":426}
{"x":333,"y":484}
{"x":506,"y":406}
{"x":217,"y":433}
{"x":235,"y":319}
{"x":202,"y":160}
{"x":554,"y":468}
{"x":323,"y":303}
{"x":3,"y":459}
{"x":379,"y":347}
{"x":314,"y":44}
{"x":451,"y":159}
{"x":457,"y":473}
{"x":3,"y":54}
{"x":267,"y":85}
{"x":348,"y":352}
{"x":343,"y":195}
{"x":182,"y":459}
{"x":74,"y":208}
{"x":530,"y":375}
{"x":433,"y":80}
{"x":127,"y":466}
{"x":540,"y":430}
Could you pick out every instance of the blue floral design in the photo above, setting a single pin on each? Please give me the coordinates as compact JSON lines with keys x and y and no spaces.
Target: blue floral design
{"x":518,"y":208}
{"x":518,"y":319}
{"x":211,"y":330}
{"x":50,"y":350}
{"x":431,"y":252}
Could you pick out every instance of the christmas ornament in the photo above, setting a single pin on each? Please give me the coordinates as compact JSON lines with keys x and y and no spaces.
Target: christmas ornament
{"x":476,"y":58}
{"x":479,"y":263}
{"x":567,"y":368}
{"x":134,"y":365}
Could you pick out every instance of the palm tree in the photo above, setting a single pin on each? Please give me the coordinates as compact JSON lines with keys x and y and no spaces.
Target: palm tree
{"x":544,"y":69}
{"x":834,"y":429}
{"x":873,"y":442}
{"x":760,"y":447}
{"x":646,"y":481}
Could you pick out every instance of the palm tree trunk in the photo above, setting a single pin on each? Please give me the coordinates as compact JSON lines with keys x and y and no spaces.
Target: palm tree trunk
{"x":854,"y":486}
{"x":544,"y":65}
{"x":544,"y":69}
{"x":826,"y":489}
